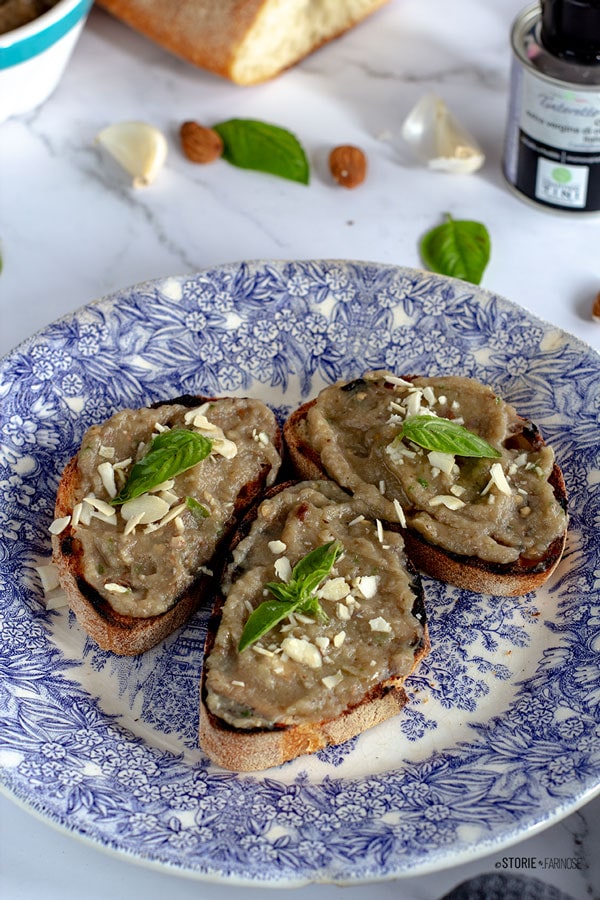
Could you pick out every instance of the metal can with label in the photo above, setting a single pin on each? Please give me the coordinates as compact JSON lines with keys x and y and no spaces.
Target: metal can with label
{"x":552,"y":144}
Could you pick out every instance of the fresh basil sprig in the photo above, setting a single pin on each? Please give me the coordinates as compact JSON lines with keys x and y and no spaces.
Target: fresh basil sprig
{"x":446,"y":436}
{"x":296,"y":595}
{"x":252,"y":144}
{"x":458,"y":247}
{"x":170,"y":454}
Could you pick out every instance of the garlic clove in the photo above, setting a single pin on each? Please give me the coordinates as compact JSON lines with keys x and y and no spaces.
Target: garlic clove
{"x":439,"y":140}
{"x":139,"y":148}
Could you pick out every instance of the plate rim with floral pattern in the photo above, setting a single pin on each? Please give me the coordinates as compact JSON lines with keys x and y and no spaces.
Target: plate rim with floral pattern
{"x":501,"y":737}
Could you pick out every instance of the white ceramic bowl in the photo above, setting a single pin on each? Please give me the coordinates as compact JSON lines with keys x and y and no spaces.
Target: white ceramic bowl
{"x":34,"y":56}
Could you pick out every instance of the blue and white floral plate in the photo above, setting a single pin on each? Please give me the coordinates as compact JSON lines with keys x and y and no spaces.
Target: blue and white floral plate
{"x":502,"y":735}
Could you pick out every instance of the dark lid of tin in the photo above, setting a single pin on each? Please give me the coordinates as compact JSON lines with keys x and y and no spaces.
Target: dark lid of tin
{"x":571,"y":29}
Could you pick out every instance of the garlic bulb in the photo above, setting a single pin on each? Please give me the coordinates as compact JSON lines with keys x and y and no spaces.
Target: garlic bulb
{"x":140,"y":149}
{"x":439,"y":140}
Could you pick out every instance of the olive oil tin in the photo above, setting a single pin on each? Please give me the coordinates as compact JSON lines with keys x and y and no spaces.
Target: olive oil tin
{"x":552,"y":143}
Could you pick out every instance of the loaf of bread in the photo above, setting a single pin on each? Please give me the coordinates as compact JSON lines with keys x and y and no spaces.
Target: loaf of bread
{"x":493,"y":525}
{"x":135,"y":563}
{"x":279,"y":682}
{"x":246,"y":41}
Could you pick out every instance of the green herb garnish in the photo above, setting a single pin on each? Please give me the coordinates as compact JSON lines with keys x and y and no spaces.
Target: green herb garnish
{"x":446,"y":436}
{"x":460,"y":248}
{"x":170,"y":454}
{"x":296,"y":595}
{"x":197,"y":509}
{"x":251,"y":144}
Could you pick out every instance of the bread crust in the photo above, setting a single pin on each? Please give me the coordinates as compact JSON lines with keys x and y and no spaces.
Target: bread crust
{"x":468,"y":572}
{"x":212,"y":35}
{"x":260,"y":748}
{"x":110,"y":629}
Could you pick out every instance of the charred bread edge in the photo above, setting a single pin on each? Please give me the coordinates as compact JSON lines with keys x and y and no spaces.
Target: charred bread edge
{"x":469,"y":572}
{"x":261,"y":748}
{"x":130,"y":635}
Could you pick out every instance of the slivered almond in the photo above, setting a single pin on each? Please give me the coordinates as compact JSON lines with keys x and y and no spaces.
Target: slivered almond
{"x":367,"y":585}
{"x":302,"y":651}
{"x":342,"y":612}
{"x":380,"y":624}
{"x":163,"y":487}
{"x":59,"y":524}
{"x":151,"y":507}
{"x":334,"y":589}
{"x":447,"y":500}
{"x":498,"y":479}
{"x":283,"y":568}
{"x":277,"y":546}
{"x":76,"y":516}
{"x":101,"y":506}
{"x":107,"y":475}
{"x":399,"y":512}
{"x":442,"y":461}
{"x":396,"y":380}
{"x":172,"y":514}
{"x":132,"y":523}
{"x":123,"y":463}
{"x":357,"y":520}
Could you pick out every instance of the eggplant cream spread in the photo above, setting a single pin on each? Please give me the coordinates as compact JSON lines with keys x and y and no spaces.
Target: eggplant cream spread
{"x":141,"y":555}
{"x":14,"y":13}
{"x":499,"y":510}
{"x":309,"y":668}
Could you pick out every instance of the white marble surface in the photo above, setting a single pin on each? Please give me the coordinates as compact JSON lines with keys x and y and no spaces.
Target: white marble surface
{"x":72,"y":230}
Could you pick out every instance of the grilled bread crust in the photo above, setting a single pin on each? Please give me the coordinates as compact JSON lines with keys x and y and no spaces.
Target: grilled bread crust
{"x":122,"y":634}
{"x":260,"y":748}
{"x":469,"y":572}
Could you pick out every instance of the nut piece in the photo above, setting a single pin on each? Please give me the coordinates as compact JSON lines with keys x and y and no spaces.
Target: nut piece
{"x":348,"y":165}
{"x":596,"y":308}
{"x":200,"y":144}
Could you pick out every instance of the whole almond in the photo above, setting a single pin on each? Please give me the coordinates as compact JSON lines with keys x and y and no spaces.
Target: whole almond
{"x":596,"y":308}
{"x":348,"y":165}
{"x":200,"y":144}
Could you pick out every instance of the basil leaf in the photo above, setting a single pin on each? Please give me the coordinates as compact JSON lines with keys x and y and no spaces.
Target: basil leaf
{"x":312,"y":607}
{"x":310,"y":571}
{"x":263,"y":619}
{"x":197,"y":509}
{"x":287,"y":593}
{"x":435,"y":433}
{"x":295,"y":595}
{"x":170,"y":454}
{"x":251,"y":144}
{"x":458,"y":247}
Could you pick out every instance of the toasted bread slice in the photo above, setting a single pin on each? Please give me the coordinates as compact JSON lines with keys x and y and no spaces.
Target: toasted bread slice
{"x":343,"y":434}
{"x":316,"y":678}
{"x":131,"y":585}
